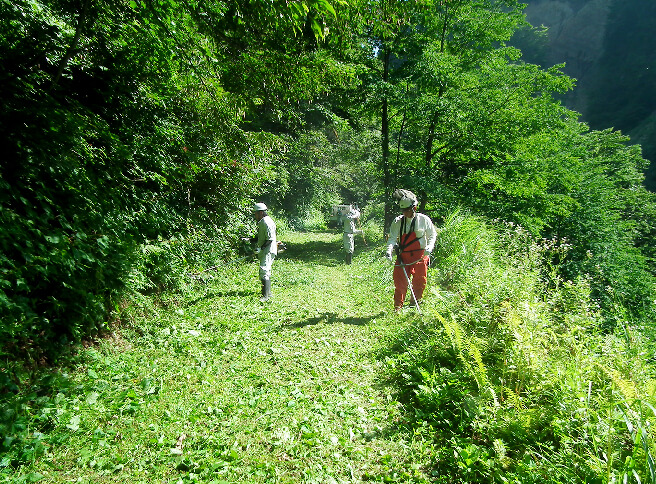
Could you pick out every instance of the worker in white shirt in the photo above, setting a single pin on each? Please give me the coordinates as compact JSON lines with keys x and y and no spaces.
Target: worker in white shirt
{"x":266,"y":246}
{"x":349,"y":219}
{"x":412,"y":238}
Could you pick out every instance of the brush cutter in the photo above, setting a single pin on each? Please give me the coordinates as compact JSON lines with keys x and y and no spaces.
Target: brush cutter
{"x":405,"y":273}
{"x":412,"y":291}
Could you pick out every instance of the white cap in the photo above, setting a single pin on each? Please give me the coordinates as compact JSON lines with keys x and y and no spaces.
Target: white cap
{"x":259,"y":207}
{"x":406,"y":202}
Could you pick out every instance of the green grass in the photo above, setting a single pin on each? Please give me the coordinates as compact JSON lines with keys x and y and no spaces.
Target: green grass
{"x":505,"y":378}
{"x":217,"y":387}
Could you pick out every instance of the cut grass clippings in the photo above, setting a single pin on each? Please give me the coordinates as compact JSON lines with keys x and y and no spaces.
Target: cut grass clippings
{"x":218,"y":387}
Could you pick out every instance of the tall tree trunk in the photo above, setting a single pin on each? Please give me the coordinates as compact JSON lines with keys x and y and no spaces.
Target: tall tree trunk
{"x":81,"y":24}
{"x":428,"y":153}
{"x":385,"y":151}
{"x":428,"y":157}
{"x":400,"y":139}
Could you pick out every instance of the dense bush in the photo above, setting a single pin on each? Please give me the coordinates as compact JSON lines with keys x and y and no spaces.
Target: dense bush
{"x":583,"y":187}
{"x":511,"y":373}
{"x":112,"y":138}
{"x":332,"y":164}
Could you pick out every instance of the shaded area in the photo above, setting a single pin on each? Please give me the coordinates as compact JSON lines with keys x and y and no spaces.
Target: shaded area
{"x":327,"y":253}
{"x":332,"y":318}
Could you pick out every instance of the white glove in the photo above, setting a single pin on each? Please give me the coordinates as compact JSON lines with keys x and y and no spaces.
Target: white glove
{"x":428,"y":261}
{"x":388,"y":256}
{"x":257,"y":250}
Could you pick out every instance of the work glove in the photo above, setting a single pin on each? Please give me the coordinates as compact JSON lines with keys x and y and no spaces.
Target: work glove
{"x":388,"y":256}
{"x":257,"y":250}
{"x":428,"y":258}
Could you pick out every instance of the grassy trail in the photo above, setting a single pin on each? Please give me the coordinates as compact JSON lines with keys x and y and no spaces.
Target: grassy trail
{"x":221,"y":388}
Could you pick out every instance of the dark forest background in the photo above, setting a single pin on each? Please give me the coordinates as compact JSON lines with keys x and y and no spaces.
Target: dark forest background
{"x":608,"y":46}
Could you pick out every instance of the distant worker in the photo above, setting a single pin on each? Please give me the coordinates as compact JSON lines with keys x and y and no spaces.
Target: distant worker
{"x":412,"y":238}
{"x":266,"y":246}
{"x":348,"y":219}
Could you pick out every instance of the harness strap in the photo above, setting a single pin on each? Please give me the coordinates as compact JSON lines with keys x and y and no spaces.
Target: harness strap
{"x":402,"y":247}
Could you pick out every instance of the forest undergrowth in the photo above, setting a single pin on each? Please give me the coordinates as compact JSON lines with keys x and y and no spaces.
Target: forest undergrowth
{"x":504,"y":377}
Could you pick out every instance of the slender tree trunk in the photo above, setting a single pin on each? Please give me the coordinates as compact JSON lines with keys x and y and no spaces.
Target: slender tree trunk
{"x":385,"y":151}
{"x":398,"y":143}
{"x":428,"y":157}
{"x":81,"y":25}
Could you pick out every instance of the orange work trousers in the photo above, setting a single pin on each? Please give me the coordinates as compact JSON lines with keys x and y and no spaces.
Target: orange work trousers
{"x":416,"y":273}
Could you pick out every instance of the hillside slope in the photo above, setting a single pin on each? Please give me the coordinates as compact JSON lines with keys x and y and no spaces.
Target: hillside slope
{"x":609,"y":47}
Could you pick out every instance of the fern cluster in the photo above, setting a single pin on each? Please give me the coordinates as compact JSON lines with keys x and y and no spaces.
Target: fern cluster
{"x":511,"y":368}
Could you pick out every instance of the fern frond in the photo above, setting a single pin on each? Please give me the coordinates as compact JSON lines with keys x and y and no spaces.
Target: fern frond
{"x":513,"y":398}
{"x":479,"y":367}
{"x":468,"y":348}
{"x":626,"y":387}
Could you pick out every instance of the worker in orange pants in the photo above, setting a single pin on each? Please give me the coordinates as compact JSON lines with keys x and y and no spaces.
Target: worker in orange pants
{"x":412,"y":238}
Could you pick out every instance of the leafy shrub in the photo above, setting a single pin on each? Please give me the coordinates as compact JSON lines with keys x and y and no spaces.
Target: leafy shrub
{"x":100,"y":160}
{"x":462,"y":246}
{"x":159,"y":267}
{"x":444,"y":397}
{"x":312,"y":219}
{"x":509,"y":365}
{"x":56,"y":278}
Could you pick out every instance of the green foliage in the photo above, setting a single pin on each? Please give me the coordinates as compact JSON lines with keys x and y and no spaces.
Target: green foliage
{"x":460,"y":248}
{"x":131,"y":122}
{"x":597,"y":202}
{"x":138,"y":135}
{"x":160,"y":267}
{"x":544,"y":396}
{"x":329,"y":165}
{"x":503,"y":379}
{"x":574,"y":184}
{"x":57,"y":276}
{"x":120,"y":128}
{"x":469,"y":123}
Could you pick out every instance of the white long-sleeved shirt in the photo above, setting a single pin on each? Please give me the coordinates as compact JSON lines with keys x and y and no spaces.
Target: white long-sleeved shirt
{"x":349,"y":220}
{"x":266,"y":230}
{"x":424,"y":229}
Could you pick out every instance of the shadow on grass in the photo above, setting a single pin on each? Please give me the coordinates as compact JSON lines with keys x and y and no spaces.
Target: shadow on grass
{"x":332,"y":318}
{"x":315,"y":252}
{"x":215,"y":294}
